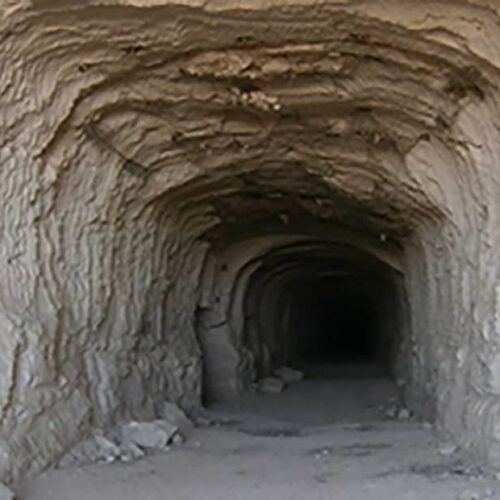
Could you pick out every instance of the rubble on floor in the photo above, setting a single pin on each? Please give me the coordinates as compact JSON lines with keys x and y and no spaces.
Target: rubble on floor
{"x":271,"y":385}
{"x":131,"y":440}
{"x":148,"y":435}
{"x":173,"y":414}
{"x":397,"y":412}
{"x":289,"y":375}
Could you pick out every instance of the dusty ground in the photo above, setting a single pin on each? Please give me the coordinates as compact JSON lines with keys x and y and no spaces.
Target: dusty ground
{"x":320,"y":439}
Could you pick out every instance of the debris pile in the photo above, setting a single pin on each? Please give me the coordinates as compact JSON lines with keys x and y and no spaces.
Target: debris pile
{"x":131,"y":440}
{"x":282,"y":376}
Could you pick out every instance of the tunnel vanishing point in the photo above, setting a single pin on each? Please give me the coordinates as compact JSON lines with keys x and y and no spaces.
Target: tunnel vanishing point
{"x":193,"y":192}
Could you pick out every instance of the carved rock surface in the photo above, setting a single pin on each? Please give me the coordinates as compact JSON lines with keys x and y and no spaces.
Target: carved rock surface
{"x":173,"y":173}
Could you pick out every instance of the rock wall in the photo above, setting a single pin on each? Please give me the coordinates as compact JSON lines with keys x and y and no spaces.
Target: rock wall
{"x":153,"y":152}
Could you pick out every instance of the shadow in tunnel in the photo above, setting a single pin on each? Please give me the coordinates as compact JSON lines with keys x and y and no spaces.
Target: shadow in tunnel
{"x":329,"y":309}
{"x":338,"y":330}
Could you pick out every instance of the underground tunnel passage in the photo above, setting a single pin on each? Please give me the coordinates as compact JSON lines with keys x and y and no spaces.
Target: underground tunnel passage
{"x":335,"y":325}
{"x":337,"y":321}
{"x":196,"y":193}
{"x":327,"y":308}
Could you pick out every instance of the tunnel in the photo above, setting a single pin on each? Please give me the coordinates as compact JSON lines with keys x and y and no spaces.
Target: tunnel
{"x":328,"y":308}
{"x":338,"y":320}
{"x":197,"y":193}
{"x":336,"y":325}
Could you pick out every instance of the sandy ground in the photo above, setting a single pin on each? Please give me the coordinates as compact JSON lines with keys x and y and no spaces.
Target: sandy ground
{"x":320,"y":439}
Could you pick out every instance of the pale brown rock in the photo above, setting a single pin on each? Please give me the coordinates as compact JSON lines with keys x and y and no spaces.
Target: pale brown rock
{"x":271,"y":385}
{"x":173,"y":173}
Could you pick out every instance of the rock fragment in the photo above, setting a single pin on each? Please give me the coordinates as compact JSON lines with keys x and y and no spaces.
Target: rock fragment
{"x":149,"y":435}
{"x":131,"y":452}
{"x":107,"y":450}
{"x":97,"y":448}
{"x":178,"y":439}
{"x":289,"y":375}
{"x":271,"y":385}
{"x":173,"y":414}
{"x":448,"y":450}
{"x":403,"y":414}
{"x":397,"y":412}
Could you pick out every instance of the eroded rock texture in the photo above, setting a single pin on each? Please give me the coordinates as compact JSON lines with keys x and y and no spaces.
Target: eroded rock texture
{"x":173,"y":174}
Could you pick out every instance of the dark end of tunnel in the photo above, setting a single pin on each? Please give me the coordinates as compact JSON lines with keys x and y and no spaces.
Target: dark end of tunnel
{"x":337,"y":328}
{"x":331,"y":310}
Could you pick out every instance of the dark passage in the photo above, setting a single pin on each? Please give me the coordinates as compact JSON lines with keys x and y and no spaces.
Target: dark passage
{"x":330,"y":310}
{"x":334,"y":313}
{"x":324,"y":305}
{"x":337,"y":325}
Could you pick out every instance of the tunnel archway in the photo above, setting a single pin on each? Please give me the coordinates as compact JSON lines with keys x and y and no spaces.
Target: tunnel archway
{"x":306,"y":304}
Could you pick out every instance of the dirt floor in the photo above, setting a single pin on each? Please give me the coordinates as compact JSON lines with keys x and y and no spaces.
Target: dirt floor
{"x":322,"y":438}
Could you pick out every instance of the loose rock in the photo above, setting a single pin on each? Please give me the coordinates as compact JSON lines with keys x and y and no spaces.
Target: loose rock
{"x":271,"y":385}
{"x":403,"y":414}
{"x":96,"y":448}
{"x":178,"y":439}
{"x":131,"y":452}
{"x":173,"y":414}
{"x":448,"y":450}
{"x":289,"y":375}
{"x":150,"y":435}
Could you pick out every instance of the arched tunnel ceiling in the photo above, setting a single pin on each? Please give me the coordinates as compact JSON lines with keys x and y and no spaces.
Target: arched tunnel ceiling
{"x":318,"y":105}
{"x":322,"y":259}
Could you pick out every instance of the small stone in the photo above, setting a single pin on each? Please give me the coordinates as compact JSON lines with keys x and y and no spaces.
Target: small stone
{"x":204,"y":422}
{"x":178,"y":439}
{"x":289,"y":375}
{"x":427,"y":426}
{"x":271,"y":385}
{"x":131,"y":452}
{"x":96,"y":448}
{"x":107,"y":450}
{"x":153,"y":435}
{"x":173,"y":414}
{"x":391,"y":412}
{"x":448,"y":450}
{"x":6,"y":493}
{"x":403,"y":414}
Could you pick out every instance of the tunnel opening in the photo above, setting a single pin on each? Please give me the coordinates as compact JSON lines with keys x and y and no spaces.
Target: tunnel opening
{"x":331,"y":310}
{"x":336,"y":312}
{"x":335,"y":324}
